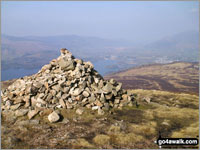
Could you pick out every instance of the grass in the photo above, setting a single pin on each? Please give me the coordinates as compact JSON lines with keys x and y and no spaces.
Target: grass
{"x":130,"y":127}
{"x":102,"y":140}
{"x":126,"y":140}
{"x":174,"y":77}
{"x":82,"y":143}
{"x":187,"y":132}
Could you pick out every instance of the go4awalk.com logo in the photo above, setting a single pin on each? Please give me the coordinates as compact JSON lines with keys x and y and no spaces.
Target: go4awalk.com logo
{"x":176,"y":141}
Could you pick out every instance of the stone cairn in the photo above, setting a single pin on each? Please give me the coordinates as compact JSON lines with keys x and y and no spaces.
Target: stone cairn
{"x":64,"y":83}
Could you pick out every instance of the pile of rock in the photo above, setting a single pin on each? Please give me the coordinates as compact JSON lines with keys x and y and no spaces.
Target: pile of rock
{"x":64,"y":83}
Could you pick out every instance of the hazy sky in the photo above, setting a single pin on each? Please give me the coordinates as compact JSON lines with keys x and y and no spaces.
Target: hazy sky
{"x":133,"y":21}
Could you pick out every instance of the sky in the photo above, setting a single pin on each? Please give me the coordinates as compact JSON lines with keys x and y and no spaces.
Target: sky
{"x":134,"y":21}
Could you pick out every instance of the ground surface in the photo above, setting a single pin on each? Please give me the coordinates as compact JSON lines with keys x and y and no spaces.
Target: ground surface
{"x":174,"y":77}
{"x":173,"y":114}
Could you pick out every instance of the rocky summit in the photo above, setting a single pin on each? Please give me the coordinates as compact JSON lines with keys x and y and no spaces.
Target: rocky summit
{"x":66,"y":82}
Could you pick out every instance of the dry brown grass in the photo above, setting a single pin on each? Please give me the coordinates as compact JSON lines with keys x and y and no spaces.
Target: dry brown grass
{"x":174,"y":77}
{"x":173,"y":114}
{"x":82,"y":143}
{"x":187,"y":132}
{"x":102,"y":140}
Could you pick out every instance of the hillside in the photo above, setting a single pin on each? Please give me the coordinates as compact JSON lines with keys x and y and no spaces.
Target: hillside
{"x":174,"y":77}
{"x":68,"y":104}
{"x":128,"y":128}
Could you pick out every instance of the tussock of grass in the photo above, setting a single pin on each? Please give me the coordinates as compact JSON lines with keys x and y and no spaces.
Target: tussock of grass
{"x":177,"y":118}
{"x":127,"y":139}
{"x":146,"y":130}
{"x":168,"y":97}
{"x":173,"y":113}
{"x":176,"y":114}
{"x":114,"y":129}
{"x":81,"y":142}
{"x":149,"y":114}
{"x":102,"y":139}
{"x":188,"y":132}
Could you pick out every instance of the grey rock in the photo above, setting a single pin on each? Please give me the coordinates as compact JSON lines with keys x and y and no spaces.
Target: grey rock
{"x":59,"y":106}
{"x":98,"y":103}
{"x":117,"y":101}
{"x":8,"y":103}
{"x":106,"y":106}
{"x":41,"y":95}
{"x":66,"y":64}
{"x":22,"y":122}
{"x":125,"y":97}
{"x":100,"y":111}
{"x":69,"y":106}
{"x":33,"y":101}
{"x":147,"y":99}
{"x":18,"y":100}
{"x":82,"y":85}
{"x":34,"y":90}
{"x":79,"y":98}
{"x":101,"y":84}
{"x":129,"y":98}
{"x":86,"y":94}
{"x":62,"y":103}
{"x":66,"y":89}
{"x":70,"y":100}
{"x":53,"y":117}
{"x":32,"y":113}
{"x":49,"y":97}
{"x":96,"y":80}
{"x":65,"y":121}
{"x":5,"y":98}
{"x":21,"y":112}
{"x":77,"y":91}
{"x":37,"y":85}
{"x":64,"y":96}
{"x":10,"y":95}
{"x":92,"y":98}
{"x":80,"y":111}
{"x":79,"y":61}
{"x":34,"y":122}
{"x":84,"y":100}
{"x":15,"y":107}
{"x":112,"y":81}
{"x":39,"y":100}
{"x":108,"y":88}
{"x":56,"y":87}
{"x":109,"y":96}
{"x":119,"y":87}
{"x":114,"y":92}
{"x":90,"y":79}
{"x":59,"y":95}
{"x":166,"y":123}
{"x":27,"y":122}
{"x":42,"y":89}
{"x":95,"y":107}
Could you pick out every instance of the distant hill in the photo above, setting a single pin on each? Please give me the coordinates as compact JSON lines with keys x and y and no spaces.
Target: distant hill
{"x":35,"y":51}
{"x":108,"y":56}
{"x":181,"y":47}
{"x":174,"y":77}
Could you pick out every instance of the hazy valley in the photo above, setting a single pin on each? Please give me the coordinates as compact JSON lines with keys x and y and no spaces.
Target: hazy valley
{"x":30,"y":53}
